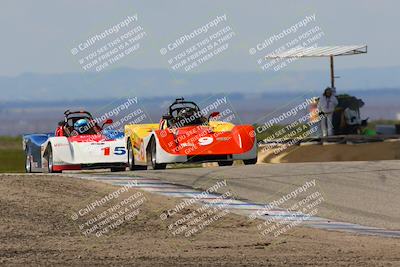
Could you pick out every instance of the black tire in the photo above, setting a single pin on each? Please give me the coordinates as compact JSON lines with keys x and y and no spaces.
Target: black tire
{"x":152,"y":163}
{"x":250,"y":161}
{"x":225,"y":163}
{"x":131,"y":159}
{"x":118,"y":169}
{"x":28,"y":161}
{"x":50,"y":164}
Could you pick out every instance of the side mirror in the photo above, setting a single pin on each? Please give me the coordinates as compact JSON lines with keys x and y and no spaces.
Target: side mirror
{"x":214,"y":115}
{"x":166,"y":117}
{"x":107,"y":121}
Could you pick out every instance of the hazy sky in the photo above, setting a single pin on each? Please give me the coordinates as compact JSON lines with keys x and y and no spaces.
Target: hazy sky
{"x":37,"y":36}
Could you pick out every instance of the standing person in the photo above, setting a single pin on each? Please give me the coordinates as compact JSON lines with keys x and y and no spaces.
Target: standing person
{"x":326,"y":105}
{"x":353,"y":119}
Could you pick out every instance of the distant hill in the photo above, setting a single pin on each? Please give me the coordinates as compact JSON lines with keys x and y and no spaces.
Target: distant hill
{"x":155,"y":83}
{"x":26,"y":116}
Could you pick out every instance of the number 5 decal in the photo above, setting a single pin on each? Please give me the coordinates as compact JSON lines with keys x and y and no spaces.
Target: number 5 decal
{"x":119,"y":150}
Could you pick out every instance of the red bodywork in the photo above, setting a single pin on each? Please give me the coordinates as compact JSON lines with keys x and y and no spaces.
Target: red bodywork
{"x":71,"y":167}
{"x":201,"y":140}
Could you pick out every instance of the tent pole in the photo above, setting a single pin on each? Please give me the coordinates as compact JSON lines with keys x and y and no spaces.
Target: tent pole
{"x":332,"y":74}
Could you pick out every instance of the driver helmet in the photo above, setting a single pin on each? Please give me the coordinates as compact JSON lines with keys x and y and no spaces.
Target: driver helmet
{"x":186,"y":112}
{"x":81,"y":126}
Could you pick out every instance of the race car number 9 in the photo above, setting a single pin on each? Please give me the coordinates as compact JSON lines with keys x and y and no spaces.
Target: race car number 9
{"x":119,"y":150}
{"x":203,"y":141}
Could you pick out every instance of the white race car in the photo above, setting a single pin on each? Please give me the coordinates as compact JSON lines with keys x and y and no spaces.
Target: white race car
{"x":78,"y":143}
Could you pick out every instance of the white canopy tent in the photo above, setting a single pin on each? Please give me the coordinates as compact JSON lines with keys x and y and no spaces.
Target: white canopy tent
{"x":323,"y":51}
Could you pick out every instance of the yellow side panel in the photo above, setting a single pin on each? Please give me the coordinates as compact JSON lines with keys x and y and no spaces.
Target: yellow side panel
{"x":220,"y":126}
{"x":139,"y":130}
{"x":142,"y":130}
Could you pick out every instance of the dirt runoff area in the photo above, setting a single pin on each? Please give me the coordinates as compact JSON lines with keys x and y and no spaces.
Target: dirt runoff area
{"x":48,"y":220}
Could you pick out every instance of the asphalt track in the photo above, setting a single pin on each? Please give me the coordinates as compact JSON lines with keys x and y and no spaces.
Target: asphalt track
{"x":365,"y":193}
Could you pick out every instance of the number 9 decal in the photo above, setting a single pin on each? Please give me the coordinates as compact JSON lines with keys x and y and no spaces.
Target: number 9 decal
{"x":203,"y":141}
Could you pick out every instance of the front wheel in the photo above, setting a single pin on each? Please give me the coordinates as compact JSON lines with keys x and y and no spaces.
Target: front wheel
{"x":50,"y":163}
{"x":153,"y":159}
{"x":131,"y":159}
{"x":250,"y":161}
{"x":28,"y":162}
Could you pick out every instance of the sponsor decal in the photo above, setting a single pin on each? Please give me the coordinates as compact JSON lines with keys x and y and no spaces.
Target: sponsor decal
{"x":59,"y":145}
{"x":224,"y":139}
{"x":186,"y":144}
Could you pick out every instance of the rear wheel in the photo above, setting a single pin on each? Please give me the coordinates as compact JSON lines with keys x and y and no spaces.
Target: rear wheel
{"x":225,"y":163}
{"x":153,"y":159}
{"x":28,"y":162}
{"x":50,"y":163}
{"x":131,"y":159}
{"x":250,"y":161}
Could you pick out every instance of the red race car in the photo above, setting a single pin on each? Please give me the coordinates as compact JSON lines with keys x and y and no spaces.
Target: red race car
{"x":186,"y":134}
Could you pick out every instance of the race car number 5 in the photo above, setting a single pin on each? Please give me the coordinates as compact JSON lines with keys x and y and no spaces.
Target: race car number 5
{"x":203,"y":141}
{"x":119,"y":150}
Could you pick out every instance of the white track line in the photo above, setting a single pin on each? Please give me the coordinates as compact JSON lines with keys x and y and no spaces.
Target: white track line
{"x":240,"y":207}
